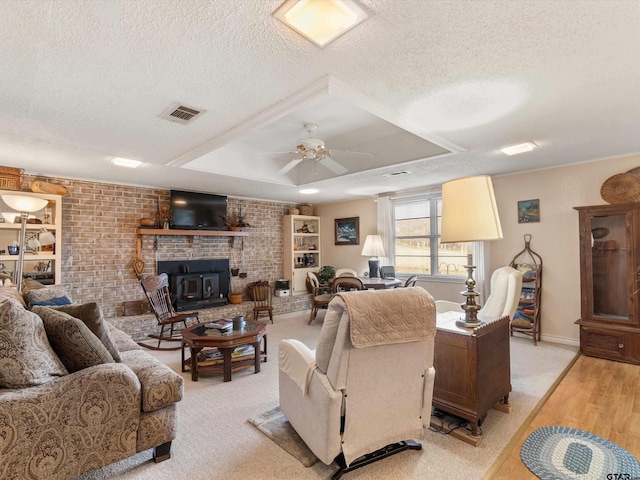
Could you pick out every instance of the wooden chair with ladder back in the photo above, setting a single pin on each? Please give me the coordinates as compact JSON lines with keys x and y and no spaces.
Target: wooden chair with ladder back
{"x":320,"y":295}
{"x":262,"y":305}
{"x":156,"y":288}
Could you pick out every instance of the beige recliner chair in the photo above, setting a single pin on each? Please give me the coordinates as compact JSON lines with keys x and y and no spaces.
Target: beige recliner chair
{"x":367,"y":388}
{"x":506,"y":286}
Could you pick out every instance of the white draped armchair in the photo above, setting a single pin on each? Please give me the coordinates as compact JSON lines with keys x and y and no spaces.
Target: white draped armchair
{"x":366,"y":390}
{"x":506,"y":286}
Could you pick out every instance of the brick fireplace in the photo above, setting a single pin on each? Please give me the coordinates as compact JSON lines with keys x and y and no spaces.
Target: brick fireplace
{"x":197,"y":284}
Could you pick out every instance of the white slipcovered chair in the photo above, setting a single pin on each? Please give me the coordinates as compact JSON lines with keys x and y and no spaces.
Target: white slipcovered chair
{"x":367,"y":388}
{"x":346,"y":272}
{"x":506,"y":286}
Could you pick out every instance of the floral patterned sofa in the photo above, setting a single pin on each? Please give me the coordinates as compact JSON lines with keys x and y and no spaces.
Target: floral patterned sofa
{"x":76,"y":394}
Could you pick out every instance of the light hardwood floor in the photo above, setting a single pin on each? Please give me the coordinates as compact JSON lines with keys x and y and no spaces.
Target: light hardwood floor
{"x":596,"y":395}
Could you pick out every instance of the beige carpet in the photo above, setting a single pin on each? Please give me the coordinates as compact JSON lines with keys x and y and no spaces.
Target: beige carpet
{"x":215,"y":441}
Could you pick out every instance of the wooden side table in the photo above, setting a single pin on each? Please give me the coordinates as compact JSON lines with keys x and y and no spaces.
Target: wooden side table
{"x":473,"y":369}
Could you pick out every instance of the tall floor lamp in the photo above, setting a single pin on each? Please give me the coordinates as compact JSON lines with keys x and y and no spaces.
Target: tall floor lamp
{"x":373,"y":248}
{"x":469,"y":214}
{"x":25,"y":205}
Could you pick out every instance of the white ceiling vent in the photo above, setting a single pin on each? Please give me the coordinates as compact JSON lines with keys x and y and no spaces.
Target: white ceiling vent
{"x":181,"y":114}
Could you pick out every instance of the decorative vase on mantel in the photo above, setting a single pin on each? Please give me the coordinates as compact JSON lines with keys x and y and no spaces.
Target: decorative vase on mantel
{"x":235,"y":229}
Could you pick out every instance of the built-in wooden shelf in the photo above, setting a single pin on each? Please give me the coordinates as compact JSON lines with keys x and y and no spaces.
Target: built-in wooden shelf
{"x":192,"y":233}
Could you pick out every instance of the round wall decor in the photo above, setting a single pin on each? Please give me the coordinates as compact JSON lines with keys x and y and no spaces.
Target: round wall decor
{"x":621,"y":188}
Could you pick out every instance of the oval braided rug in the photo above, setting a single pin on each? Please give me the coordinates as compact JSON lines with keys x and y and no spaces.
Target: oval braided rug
{"x":559,"y":453}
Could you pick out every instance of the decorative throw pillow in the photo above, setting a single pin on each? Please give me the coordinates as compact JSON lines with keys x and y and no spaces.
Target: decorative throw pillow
{"x":45,"y":294}
{"x":71,"y":339}
{"x":91,"y":315}
{"x":53,"y":302}
{"x":12,"y":293}
{"x":26,"y":357}
{"x":31,"y":284}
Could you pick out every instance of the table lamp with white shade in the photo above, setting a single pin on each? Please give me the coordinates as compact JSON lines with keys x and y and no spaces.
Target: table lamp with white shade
{"x":24,"y":205}
{"x":469,"y":214}
{"x":373,"y":248}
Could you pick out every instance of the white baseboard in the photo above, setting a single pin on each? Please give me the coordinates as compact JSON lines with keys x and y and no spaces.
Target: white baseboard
{"x":561,"y":340}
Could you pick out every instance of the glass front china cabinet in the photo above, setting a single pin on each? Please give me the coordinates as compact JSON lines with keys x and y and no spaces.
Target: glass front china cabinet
{"x":610,"y":281}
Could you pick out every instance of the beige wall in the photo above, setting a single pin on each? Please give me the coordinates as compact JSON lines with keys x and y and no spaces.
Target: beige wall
{"x":99,"y":236}
{"x":554,"y":238}
{"x":346,"y":256}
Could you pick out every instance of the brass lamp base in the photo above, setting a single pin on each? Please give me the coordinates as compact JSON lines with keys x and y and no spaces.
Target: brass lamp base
{"x":470,"y":307}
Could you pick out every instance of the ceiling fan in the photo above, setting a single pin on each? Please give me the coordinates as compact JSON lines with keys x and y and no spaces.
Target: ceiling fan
{"x":314,"y":149}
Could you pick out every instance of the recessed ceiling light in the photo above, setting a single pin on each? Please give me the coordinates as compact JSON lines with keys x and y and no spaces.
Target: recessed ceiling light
{"x":309,"y":191}
{"x":320,"y":21}
{"x":126,"y":162}
{"x":520,"y":148}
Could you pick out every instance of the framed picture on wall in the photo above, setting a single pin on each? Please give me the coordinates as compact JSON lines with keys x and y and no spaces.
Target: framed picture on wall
{"x":348,"y":231}
{"x":529,"y":211}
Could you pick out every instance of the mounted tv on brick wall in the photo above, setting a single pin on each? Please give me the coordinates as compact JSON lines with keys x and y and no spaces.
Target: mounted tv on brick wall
{"x":197,"y":211}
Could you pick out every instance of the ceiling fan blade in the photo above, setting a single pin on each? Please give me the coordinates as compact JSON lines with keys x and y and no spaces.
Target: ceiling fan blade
{"x":350,"y":153}
{"x":289,"y":166}
{"x":332,"y":165}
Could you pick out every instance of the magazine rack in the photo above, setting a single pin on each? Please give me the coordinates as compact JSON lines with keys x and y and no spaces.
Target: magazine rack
{"x":526,"y":320}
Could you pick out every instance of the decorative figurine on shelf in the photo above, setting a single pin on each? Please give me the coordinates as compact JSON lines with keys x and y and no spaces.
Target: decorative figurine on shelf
{"x":235,"y":221}
{"x":165,"y":214}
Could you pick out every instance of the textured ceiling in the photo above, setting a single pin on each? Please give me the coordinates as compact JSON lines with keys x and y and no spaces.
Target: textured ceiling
{"x":83,"y":81}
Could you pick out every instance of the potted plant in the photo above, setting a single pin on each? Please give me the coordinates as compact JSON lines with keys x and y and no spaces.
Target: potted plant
{"x":326,"y":274}
{"x":235,"y":221}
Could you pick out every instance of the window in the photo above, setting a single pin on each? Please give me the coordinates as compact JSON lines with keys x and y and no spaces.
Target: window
{"x":416,"y":239}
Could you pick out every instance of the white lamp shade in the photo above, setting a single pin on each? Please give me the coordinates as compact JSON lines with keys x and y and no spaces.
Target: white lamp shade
{"x":373,"y":247}
{"x":46,"y":238}
{"x":22,"y":203}
{"x":469,"y":211}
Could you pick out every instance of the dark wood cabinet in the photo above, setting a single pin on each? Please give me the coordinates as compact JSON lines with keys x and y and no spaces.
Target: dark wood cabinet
{"x":610,"y":281}
{"x":473,"y":368}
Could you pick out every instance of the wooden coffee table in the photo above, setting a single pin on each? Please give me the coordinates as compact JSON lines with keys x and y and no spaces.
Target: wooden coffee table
{"x":198,"y":336}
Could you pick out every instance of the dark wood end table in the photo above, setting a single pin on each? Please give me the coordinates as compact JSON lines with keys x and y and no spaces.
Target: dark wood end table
{"x":473,"y":368}
{"x":198,"y":336}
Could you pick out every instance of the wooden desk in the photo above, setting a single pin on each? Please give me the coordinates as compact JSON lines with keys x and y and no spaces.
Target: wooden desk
{"x":473,"y":368}
{"x":379,"y":283}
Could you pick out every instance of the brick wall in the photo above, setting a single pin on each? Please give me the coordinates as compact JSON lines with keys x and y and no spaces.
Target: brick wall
{"x":99,"y":243}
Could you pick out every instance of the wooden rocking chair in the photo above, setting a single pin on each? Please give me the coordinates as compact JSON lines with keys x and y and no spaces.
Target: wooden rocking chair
{"x":156,"y":288}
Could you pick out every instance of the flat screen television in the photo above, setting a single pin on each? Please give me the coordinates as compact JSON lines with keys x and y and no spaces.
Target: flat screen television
{"x":197,"y":211}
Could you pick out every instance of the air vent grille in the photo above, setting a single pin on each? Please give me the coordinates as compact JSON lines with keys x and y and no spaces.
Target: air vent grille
{"x":181,"y":114}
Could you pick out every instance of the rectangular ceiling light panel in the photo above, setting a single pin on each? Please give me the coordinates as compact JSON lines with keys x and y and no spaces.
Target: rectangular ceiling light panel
{"x":320,"y":21}
{"x":520,"y":148}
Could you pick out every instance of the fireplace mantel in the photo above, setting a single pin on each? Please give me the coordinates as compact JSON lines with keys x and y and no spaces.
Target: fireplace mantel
{"x":190,"y":233}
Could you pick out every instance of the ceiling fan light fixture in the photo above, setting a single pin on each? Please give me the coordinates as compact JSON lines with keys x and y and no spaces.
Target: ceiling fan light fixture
{"x":320,"y":21}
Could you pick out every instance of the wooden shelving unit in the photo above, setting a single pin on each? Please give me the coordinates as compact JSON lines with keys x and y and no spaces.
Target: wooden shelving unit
{"x":49,"y":217}
{"x":527,"y":317}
